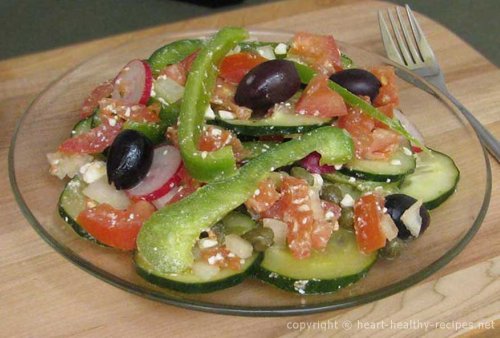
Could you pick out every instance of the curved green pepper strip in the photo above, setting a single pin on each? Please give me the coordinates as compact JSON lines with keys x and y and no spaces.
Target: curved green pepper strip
{"x":173,"y":52}
{"x":306,"y":74}
{"x":205,"y":166}
{"x":167,"y":238}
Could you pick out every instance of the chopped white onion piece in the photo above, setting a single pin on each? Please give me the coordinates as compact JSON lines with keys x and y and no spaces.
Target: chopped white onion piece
{"x":102,"y":192}
{"x":411,"y":218}
{"x":388,"y":227}
{"x":168,"y":89}
{"x":266,"y":52}
{"x":279,"y":229}
{"x":238,"y":246}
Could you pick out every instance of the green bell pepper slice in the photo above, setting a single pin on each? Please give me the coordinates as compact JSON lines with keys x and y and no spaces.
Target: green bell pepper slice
{"x":205,"y":166}
{"x":173,"y":52}
{"x":167,"y":238}
{"x":306,"y":74}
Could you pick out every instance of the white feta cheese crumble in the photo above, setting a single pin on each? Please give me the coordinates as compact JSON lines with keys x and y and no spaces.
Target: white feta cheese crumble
{"x":338,"y":166}
{"x":396,"y":162}
{"x":92,"y":171}
{"x":407,"y":151}
{"x":347,"y":201}
{"x":62,"y":165}
{"x":281,"y":49}
{"x":226,"y":115}
{"x":206,"y":243}
{"x":352,"y":180}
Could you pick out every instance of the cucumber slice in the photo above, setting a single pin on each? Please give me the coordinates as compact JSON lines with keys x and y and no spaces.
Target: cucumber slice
{"x":340,"y":265}
{"x":278,"y":124}
{"x":363,"y":185}
{"x":393,"y":169}
{"x":189,"y":283}
{"x":434,"y":179}
{"x":237,"y":223}
{"x":71,"y":203}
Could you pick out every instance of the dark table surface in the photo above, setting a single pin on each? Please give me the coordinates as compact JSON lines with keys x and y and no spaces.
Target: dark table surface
{"x":30,"y":26}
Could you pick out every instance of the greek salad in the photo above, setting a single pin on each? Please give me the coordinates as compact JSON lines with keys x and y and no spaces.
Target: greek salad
{"x":223,"y":158}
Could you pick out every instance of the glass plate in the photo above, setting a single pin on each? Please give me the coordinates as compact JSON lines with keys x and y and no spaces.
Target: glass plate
{"x":50,"y":117}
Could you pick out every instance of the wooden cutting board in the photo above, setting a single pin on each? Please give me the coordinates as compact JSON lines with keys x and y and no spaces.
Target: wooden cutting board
{"x":42,"y":294}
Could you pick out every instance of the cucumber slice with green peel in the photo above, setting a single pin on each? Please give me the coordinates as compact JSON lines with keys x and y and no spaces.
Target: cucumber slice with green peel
{"x":71,"y":203}
{"x":340,"y":265}
{"x":237,"y":223}
{"x":277,"y":124}
{"x":363,"y":185}
{"x":393,"y":169}
{"x":434,"y":180}
{"x":154,"y":131}
{"x":190,"y":283}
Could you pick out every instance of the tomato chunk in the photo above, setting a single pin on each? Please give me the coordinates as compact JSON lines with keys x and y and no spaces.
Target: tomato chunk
{"x":179,"y":71}
{"x":318,"y":51}
{"x":113,"y":227}
{"x":136,"y":112}
{"x":94,"y":141}
{"x":264,"y":197}
{"x":368,"y":212}
{"x":214,"y":138}
{"x":92,"y":101}
{"x":388,"y":93}
{"x":234,"y":67}
{"x":370,"y":141}
{"x":223,"y":97}
{"x":319,"y":100}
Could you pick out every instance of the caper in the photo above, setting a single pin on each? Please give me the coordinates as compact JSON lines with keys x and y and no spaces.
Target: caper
{"x":331,"y":193}
{"x":300,"y":172}
{"x":393,"y":249}
{"x":261,"y":238}
{"x":346,"y":219}
{"x":218,"y":230}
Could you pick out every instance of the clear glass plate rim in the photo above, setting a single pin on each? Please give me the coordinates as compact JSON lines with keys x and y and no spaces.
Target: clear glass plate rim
{"x":240,"y":310}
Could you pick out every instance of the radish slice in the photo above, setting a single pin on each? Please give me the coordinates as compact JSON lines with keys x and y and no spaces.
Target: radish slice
{"x":162,"y":201}
{"x":162,"y":177}
{"x":408,"y":125}
{"x":133,"y":84}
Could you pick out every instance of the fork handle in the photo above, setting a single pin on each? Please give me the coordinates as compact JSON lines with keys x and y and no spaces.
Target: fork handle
{"x":487,"y":139}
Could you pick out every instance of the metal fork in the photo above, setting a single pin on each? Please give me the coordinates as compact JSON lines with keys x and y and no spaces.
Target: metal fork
{"x":412,"y":50}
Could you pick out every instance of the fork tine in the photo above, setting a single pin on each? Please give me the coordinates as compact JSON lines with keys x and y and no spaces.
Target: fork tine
{"x":390,"y":46}
{"x":423,"y":46}
{"x":410,"y":42}
{"x":401,"y":44}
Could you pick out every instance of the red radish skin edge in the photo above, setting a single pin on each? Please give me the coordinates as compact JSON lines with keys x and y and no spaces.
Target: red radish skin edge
{"x":163,"y":190}
{"x":148,"y":85}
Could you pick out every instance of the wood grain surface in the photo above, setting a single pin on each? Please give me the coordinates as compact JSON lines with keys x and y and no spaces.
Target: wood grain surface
{"x":42,"y":294}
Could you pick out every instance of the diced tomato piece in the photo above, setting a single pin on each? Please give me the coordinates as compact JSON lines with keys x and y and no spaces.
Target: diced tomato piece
{"x":136,"y":113}
{"x":223,"y":259}
{"x":319,"y":100}
{"x":113,"y":227}
{"x":387,"y":110}
{"x":179,"y":71}
{"x":318,"y":51}
{"x":368,"y":212}
{"x":234,"y":67}
{"x":188,"y":185}
{"x":223,"y":96}
{"x":94,"y":141}
{"x":370,"y":142}
{"x":388,"y":93}
{"x":215,"y":138}
{"x":92,"y":101}
{"x":264,"y":197}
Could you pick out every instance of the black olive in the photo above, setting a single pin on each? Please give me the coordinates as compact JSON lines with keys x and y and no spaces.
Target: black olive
{"x":270,"y":82}
{"x":129,"y":159}
{"x":396,"y":205}
{"x":358,"y":81}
